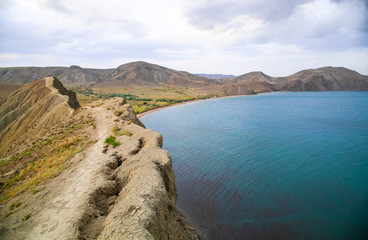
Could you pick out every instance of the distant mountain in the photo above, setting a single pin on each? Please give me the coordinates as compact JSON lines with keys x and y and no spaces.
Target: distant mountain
{"x":255,"y":77}
{"x":131,"y":74}
{"x":146,"y":74}
{"x":325,"y":79}
{"x":142,"y":74}
{"x":32,"y":108}
{"x":215,"y":76}
{"x":6,"y":89}
{"x":71,"y":76}
{"x":257,"y":81}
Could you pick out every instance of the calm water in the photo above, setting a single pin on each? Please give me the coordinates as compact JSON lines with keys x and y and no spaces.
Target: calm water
{"x":272,"y":166}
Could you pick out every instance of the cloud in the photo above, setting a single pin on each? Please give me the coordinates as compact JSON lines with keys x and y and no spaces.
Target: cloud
{"x":321,"y":23}
{"x":231,"y":35}
{"x":207,"y":14}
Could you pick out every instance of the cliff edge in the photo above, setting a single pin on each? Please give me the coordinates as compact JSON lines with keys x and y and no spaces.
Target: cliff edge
{"x":121,"y":187}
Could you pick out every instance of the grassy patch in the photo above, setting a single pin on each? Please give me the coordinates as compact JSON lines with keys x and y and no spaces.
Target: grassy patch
{"x":127,"y":132}
{"x":15,"y":205}
{"x":45,"y":158}
{"x":118,"y":113}
{"x":26,"y":217}
{"x":8,"y":214}
{"x":34,"y":191}
{"x":112,"y":141}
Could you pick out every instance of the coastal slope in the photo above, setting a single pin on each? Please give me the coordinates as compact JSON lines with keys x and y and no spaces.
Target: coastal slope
{"x":121,"y":188}
{"x":31,"y":109}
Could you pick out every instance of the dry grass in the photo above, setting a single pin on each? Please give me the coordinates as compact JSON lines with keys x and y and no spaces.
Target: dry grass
{"x":44,"y":158}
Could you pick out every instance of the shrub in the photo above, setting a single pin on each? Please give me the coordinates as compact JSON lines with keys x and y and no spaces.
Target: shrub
{"x":26,"y":217}
{"x":112,"y":141}
{"x":127,"y":132}
{"x":115,"y":129}
{"x":35,"y":191}
{"x":15,"y":204}
{"x":118,"y":113}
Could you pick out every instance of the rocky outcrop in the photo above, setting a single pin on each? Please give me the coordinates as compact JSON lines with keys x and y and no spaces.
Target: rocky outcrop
{"x":140,"y":182}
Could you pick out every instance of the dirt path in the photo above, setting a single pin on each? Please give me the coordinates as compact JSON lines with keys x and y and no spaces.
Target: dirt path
{"x":70,"y":191}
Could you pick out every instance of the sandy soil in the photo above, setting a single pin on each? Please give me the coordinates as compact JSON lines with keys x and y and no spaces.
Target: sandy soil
{"x":58,"y":220}
{"x":56,"y":210}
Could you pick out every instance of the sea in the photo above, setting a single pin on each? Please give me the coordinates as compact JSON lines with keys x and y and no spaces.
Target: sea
{"x":284,"y":165}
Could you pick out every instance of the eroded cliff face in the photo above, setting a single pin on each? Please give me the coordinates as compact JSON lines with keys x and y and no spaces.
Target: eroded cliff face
{"x":139,"y":181}
{"x":122,"y":192}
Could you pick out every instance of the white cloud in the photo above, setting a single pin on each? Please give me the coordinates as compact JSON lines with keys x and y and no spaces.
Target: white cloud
{"x":220,"y":36}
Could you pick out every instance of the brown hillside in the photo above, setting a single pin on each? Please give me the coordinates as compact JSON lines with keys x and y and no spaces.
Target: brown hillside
{"x":121,"y":187}
{"x":7,"y":89}
{"x":145,"y":74}
{"x":24,"y":75}
{"x":255,"y":77}
{"x":31,"y":109}
{"x":69,"y":76}
{"x":326,"y":79}
{"x":77,"y":76}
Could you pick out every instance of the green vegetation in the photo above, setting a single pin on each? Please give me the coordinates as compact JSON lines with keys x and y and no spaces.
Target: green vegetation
{"x":127,"y":133}
{"x":141,"y":99}
{"x":116,"y":130}
{"x":89,"y":92}
{"x":26,"y":217}
{"x":118,"y":113}
{"x":112,"y":141}
{"x":8,"y":214}
{"x":15,"y":205}
{"x":34,"y":191}
{"x":44,"y":158}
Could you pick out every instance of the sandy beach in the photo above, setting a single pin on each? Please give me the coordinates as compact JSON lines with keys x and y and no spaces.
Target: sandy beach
{"x":140,"y":115}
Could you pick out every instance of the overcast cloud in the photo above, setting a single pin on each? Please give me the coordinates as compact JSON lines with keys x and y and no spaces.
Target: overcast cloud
{"x":211,"y":36}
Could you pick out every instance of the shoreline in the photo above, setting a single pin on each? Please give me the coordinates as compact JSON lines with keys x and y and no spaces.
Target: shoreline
{"x":140,"y":115}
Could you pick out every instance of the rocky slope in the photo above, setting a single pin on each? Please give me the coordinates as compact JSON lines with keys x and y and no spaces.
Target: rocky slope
{"x":131,"y":74}
{"x":126,"y":191}
{"x":70,"y":76}
{"x":145,"y":74}
{"x":31,"y":109}
{"x":7,"y":89}
{"x":325,"y":79}
{"x":142,"y":74}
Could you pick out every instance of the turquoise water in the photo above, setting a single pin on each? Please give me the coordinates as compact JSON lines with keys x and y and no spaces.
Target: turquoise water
{"x":271,"y":166}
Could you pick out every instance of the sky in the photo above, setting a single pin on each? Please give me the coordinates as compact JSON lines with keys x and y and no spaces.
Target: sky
{"x":199,"y":36}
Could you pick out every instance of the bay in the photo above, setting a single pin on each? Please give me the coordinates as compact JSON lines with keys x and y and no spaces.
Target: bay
{"x":271,"y":166}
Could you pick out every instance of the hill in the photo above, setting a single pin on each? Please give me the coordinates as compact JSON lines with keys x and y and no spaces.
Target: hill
{"x":325,"y":79}
{"x":7,"y":89}
{"x":215,"y":76}
{"x":131,"y":74}
{"x":82,"y":173}
{"x":33,"y":108}
{"x":150,"y":75}
{"x":69,"y":76}
{"x":159,"y":82}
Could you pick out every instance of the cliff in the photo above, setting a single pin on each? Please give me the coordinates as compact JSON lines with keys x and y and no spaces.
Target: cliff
{"x":121,"y":187}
